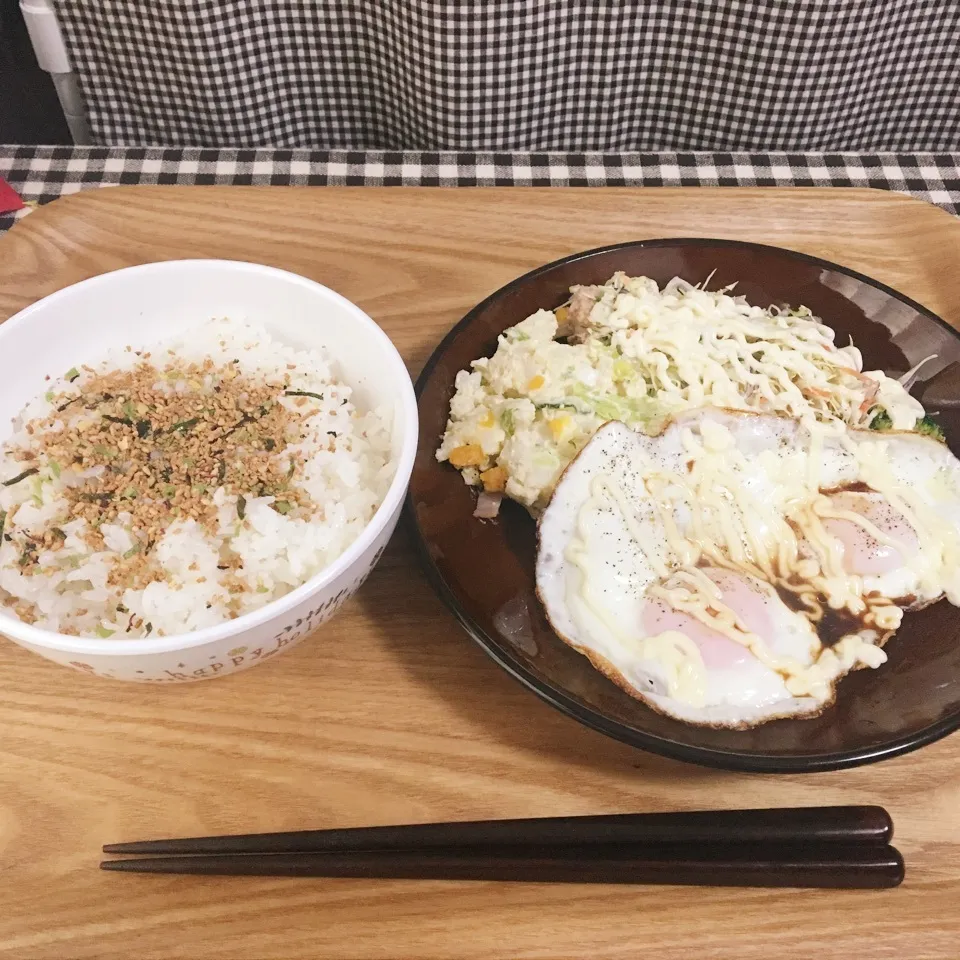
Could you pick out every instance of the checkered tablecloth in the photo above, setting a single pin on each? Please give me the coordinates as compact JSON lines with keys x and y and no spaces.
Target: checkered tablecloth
{"x":42,"y":174}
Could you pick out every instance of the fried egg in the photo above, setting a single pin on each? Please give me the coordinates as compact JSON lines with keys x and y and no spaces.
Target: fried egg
{"x":733,"y":568}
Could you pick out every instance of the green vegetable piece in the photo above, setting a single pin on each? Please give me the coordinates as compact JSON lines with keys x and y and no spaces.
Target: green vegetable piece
{"x":124,"y":420}
{"x":96,"y":497}
{"x":281,"y":506}
{"x":129,"y":409}
{"x":881,"y":421}
{"x":48,"y":396}
{"x":72,"y":374}
{"x":143,"y":428}
{"x":269,"y":444}
{"x":3,"y":521}
{"x":930,"y":428}
{"x":133,"y":551}
{"x":302,"y":393}
{"x":131,"y":493}
{"x":58,"y":533}
{"x":241,"y":506}
{"x":54,"y":469}
{"x":103,"y":632}
{"x":185,"y":425}
{"x":508,"y":422}
{"x":169,"y":490}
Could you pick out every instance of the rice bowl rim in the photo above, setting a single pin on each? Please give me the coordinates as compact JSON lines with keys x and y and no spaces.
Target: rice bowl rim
{"x":391,"y":502}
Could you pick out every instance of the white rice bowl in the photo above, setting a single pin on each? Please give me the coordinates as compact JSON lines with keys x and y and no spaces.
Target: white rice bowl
{"x":297,"y":572}
{"x":278,"y":552}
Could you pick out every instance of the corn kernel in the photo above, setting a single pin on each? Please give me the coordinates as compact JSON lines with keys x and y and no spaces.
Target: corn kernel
{"x":469,"y":455}
{"x":558,"y":426}
{"x":561,"y":314}
{"x":494,"y":479}
{"x":536,"y":383}
{"x":488,"y":419}
{"x":622,"y":370}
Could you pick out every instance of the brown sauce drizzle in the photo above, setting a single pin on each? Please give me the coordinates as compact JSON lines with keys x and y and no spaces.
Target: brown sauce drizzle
{"x":858,"y":486}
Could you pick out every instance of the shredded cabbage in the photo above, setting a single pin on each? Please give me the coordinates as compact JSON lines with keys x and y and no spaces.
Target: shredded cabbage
{"x":634,"y":352}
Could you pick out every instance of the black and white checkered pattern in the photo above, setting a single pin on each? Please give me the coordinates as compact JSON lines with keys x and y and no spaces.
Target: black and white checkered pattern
{"x":41,"y":174}
{"x":740,"y":75}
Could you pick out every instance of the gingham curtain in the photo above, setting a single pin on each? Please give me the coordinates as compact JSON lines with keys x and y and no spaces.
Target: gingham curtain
{"x":520,"y":74}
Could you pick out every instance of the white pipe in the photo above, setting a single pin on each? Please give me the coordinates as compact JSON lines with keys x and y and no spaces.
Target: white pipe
{"x":51,"y":53}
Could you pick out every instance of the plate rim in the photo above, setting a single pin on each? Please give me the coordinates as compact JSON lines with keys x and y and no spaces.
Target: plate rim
{"x":560,"y":699}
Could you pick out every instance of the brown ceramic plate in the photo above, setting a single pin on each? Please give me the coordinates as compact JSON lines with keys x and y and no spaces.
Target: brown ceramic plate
{"x":484,"y":569}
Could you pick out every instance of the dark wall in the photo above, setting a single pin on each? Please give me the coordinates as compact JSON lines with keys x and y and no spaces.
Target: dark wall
{"x":29,"y":109}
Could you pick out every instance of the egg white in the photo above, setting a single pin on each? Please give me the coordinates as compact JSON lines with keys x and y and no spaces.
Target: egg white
{"x":617,"y":561}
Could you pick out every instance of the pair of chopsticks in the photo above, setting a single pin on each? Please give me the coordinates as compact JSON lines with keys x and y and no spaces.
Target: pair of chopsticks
{"x":789,"y":847}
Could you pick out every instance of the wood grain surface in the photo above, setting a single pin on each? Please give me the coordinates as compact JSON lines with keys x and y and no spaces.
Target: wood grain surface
{"x":390,"y":714}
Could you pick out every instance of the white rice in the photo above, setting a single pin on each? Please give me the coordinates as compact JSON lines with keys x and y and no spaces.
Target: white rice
{"x":346,"y":483}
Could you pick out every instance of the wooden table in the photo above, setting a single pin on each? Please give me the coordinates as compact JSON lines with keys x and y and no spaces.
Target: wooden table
{"x":391,"y":714}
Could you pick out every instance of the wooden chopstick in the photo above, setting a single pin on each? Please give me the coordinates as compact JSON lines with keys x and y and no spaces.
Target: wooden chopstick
{"x":868,"y":865}
{"x":798,"y":826}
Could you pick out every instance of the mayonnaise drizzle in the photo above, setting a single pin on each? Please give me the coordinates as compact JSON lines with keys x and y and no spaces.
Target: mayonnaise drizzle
{"x":678,"y":656}
{"x":682,"y":663}
{"x":728,"y":528}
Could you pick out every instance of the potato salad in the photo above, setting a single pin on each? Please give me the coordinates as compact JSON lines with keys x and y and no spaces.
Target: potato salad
{"x":630,"y":351}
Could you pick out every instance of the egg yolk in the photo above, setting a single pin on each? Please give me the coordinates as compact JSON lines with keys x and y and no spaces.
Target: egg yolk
{"x":740,"y":595}
{"x":863,"y":554}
